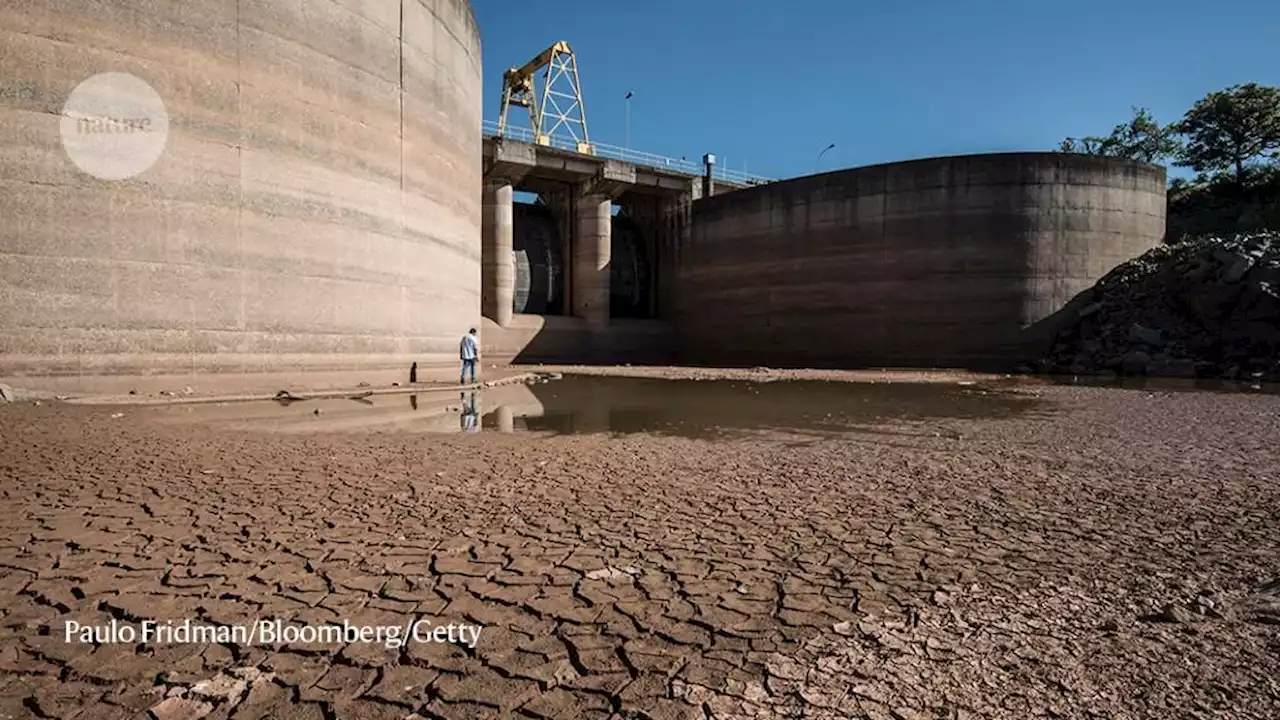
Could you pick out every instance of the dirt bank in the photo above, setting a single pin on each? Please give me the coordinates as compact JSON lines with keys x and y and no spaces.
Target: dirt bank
{"x":764,"y":374}
{"x":238,"y":387}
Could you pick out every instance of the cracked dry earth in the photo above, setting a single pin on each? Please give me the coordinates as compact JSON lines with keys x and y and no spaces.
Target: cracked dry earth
{"x":1111,"y":555}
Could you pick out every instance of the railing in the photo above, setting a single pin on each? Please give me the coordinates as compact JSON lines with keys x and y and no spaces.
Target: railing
{"x":613,"y":152}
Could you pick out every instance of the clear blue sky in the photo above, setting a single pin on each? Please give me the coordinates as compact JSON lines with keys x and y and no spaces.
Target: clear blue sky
{"x":771,"y":83}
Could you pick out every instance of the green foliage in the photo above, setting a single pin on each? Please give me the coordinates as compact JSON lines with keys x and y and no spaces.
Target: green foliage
{"x":1220,"y":205}
{"x":1142,"y":138}
{"x":1231,"y":138}
{"x":1231,"y":130}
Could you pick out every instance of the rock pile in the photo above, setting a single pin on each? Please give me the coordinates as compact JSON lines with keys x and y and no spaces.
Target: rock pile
{"x":1206,"y":307}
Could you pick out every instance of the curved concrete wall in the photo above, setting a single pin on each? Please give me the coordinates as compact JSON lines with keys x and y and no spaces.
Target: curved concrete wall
{"x":938,"y":262}
{"x":317,"y":204}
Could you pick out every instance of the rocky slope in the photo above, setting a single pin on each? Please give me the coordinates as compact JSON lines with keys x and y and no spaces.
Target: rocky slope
{"x":1204,"y":307}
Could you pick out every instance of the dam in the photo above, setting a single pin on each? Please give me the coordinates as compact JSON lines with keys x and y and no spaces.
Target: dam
{"x":327,"y":197}
{"x":941,"y":262}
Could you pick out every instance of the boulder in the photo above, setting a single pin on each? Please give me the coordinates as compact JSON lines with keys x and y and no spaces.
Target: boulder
{"x":1146,"y":335}
{"x":1136,"y":363}
{"x":1198,"y":307}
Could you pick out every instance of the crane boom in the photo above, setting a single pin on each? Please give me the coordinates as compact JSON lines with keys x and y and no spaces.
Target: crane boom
{"x":540,"y":60}
{"x":558,"y":107}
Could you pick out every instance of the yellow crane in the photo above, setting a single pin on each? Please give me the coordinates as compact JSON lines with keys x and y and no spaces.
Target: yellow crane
{"x":558,"y":107}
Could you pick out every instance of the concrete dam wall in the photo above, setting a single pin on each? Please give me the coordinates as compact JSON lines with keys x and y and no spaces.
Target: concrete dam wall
{"x":938,"y":262}
{"x":316,"y":203}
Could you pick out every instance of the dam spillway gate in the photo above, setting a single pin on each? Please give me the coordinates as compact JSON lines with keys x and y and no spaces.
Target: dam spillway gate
{"x":539,"y":252}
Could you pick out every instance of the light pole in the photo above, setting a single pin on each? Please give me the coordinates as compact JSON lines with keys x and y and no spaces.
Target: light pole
{"x":626,"y":142}
{"x":824,"y":152}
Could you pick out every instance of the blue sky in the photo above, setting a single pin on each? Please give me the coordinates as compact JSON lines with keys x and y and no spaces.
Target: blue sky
{"x":768,"y":84}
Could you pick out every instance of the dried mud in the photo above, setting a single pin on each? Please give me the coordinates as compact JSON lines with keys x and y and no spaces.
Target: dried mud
{"x":1108,"y":559}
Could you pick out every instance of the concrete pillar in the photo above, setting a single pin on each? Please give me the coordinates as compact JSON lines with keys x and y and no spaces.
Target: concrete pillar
{"x":591,"y":252}
{"x":497,"y":266}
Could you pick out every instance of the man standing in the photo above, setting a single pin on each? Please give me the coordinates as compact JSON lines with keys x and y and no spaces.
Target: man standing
{"x":470,"y":353}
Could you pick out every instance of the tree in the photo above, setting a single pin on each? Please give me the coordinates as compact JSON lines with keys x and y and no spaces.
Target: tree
{"x":1231,"y":130}
{"x":1142,"y":138}
{"x":1232,"y":141}
{"x":1086,"y":146}
{"x":1218,"y":205}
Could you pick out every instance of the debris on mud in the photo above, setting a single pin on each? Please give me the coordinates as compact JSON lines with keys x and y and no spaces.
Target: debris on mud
{"x":542,"y":377}
{"x":1174,"y":613}
{"x":1266,"y":604}
{"x":613,"y":573}
{"x":1207,"y":307}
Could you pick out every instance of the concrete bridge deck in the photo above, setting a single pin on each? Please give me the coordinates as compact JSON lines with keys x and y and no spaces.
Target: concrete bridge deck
{"x":681,"y":166}
{"x":581,"y":192}
{"x":538,"y":168}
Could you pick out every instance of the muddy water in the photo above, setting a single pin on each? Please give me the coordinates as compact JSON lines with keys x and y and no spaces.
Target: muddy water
{"x":591,"y":404}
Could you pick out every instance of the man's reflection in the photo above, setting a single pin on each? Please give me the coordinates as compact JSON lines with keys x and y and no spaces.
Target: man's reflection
{"x":413,"y":401}
{"x":469,"y":420}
